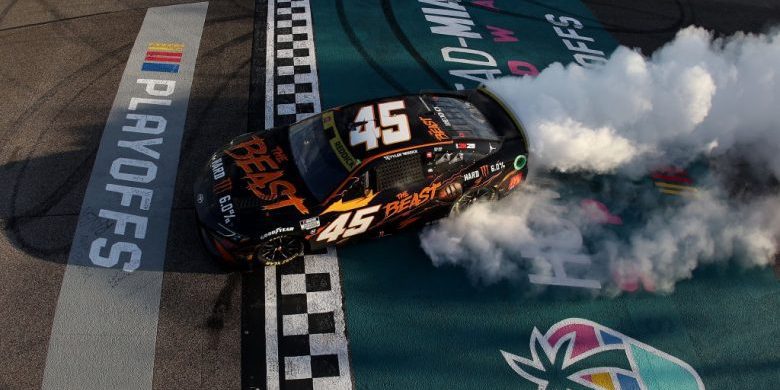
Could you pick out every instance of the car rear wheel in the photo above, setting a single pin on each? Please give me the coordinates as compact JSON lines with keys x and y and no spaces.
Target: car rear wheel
{"x":279,"y":250}
{"x":482,"y":194}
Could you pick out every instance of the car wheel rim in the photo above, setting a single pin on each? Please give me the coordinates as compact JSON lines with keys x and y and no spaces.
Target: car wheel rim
{"x":279,"y":250}
{"x":471,"y":197}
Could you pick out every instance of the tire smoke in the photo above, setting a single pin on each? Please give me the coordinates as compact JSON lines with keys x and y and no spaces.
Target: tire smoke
{"x":698,"y":101}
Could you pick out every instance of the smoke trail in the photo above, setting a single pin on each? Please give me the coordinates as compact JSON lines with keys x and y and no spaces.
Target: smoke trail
{"x":698,"y":100}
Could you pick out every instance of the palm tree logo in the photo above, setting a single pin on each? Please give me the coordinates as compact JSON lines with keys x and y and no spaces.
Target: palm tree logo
{"x":553,"y":368}
{"x":578,"y":354}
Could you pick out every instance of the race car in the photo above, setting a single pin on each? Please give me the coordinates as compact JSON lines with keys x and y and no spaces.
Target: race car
{"x":364,"y":169}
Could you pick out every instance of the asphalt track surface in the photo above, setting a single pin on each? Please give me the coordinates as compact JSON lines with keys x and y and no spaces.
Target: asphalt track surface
{"x":60,"y":63}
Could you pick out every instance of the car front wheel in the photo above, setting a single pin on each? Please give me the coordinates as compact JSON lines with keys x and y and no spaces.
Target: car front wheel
{"x":279,"y":250}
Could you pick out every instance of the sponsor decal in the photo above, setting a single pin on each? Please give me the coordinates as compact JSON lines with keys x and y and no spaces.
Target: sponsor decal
{"x":449,"y":158}
{"x":411,"y":201}
{"x":264,"y":175}
{"x":433,"y":129}
{"x":577,"y":353}
{"x":484,"y":170}
{"x":401,"y":154}
{"x":497,"y":166}
{"x":223,"y":186}
{"x":163,"y":57}
{"x":441,"y":115}
{"x":343,"y":154}
{"x":515,"y":180}
{"x":226,"y":207}
{"x":217,"y":169}
{"x":310,"y":223}
{"x":340,"y":205}
{"x":277,"y":231}
{"x":471,"y":175}
{"x":450,"y":192}
{"x":465,"y":145}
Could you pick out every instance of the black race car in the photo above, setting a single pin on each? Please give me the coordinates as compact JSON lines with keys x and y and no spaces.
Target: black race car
{"x":363,"y":169}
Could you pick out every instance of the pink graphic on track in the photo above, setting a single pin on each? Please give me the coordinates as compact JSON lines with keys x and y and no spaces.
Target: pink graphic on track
{"x":584,"y":340}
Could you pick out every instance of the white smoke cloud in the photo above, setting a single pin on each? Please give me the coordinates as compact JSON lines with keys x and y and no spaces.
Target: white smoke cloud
{"x":707,"y":229}
{"x":693,"y":93}
{"x":488,"y":238}
{"x":695,"y":98}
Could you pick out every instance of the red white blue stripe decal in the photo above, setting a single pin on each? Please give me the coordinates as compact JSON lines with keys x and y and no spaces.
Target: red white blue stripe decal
{"x":163,"y":57}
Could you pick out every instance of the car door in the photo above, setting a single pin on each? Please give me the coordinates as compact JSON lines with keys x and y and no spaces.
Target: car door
{"x":407,"y":191}
{"x":377,"y":198}
{"x":349,"y":212}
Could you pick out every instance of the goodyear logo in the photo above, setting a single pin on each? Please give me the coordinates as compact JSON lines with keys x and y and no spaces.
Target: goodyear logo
{"x":343,"y":154}
{"x":163,"y":57}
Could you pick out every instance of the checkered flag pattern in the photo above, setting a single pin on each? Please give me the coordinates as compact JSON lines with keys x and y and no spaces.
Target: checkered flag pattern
{"x":309,"y":348}
{"x":295,"y":73}
{"x":312,"y":344}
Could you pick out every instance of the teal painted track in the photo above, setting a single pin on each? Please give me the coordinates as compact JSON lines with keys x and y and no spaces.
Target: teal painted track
{"x":412,"y":325}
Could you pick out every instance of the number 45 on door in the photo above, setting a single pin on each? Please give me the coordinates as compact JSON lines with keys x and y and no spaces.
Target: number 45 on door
{"x":349,"y":224}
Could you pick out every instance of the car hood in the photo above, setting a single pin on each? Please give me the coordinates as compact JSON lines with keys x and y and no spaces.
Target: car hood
{"x":252,"y":185}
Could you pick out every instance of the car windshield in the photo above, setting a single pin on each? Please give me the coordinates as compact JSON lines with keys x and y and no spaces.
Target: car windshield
{"x":314,"y":157}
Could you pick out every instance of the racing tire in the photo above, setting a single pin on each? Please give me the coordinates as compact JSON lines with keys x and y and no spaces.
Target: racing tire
{"x":481,"y":194}
{"x":279,"y":250}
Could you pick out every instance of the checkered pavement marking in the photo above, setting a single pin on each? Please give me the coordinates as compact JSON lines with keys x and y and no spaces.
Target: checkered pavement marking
{"x":306,"y":343}
{"x":295,"y":69}
{"x":312,"y":340}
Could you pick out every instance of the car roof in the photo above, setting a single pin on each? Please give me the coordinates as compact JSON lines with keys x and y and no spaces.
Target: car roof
{"x":434,"y":119}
